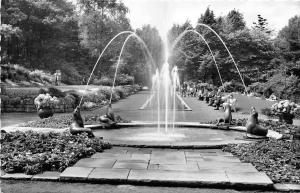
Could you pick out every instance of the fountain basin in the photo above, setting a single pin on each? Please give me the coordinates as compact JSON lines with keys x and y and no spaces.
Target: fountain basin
{"x":184,"y":135}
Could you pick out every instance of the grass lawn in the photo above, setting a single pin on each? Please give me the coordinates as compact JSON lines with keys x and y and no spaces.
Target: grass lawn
{"x":244,"y":103}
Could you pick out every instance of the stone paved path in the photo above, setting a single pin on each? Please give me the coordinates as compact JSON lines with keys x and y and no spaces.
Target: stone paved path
{"x":201,"y":112}
{"x":129,"y":109}
{"x":206,"y":167}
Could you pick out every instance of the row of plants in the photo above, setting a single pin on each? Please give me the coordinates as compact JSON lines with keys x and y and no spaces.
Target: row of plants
{"x":232,"y":86}
{"x":121,"y":79}
{"x":32,"y":152}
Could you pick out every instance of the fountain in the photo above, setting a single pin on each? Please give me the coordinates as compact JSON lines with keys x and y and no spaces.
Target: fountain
{"x":164,"y":100}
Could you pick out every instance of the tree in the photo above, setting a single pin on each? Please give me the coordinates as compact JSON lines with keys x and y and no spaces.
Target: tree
{"x":234,"y":21}
{"x":290,"y":36}
{"x":41,"y":34}
{"x":262,"y":25}
{"x":98,"y":24}
{"x":208,"y":17}
{"x":187,"y":51}
{"x":153,"y":42}
{"x":136,"y":61}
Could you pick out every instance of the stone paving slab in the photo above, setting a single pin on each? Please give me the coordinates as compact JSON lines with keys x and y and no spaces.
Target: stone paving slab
{"x":76,"y":173}
{"x":171,"y":157}
{"x":47,"y":176}
{"x":193,"y":154}
{"x":120,"y":150}
{"x":17,"y":176}
{"x":133,"y":160}
{"x":221,"y":158}
{"x":287,"y":187}
{"x":208,"y":153}
{"x":111,"y":155}
{"x":102,"y":174}
{"x":249,"y":178}
{"x":194,"y":159}
{"x":228,"y":166}
{"x":93,"y":162}
{"x":178,"y":167}
{"x":163,"y":176}
{"x":140,"y":156}
{"x":131,"y":165}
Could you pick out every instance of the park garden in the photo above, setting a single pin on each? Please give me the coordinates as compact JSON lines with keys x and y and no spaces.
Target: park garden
{"x":85,"y":97}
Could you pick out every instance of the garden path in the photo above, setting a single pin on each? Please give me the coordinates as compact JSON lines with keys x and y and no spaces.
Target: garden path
{"x":129,"y":109}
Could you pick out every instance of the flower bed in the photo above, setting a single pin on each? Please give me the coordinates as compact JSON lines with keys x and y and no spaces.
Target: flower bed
{"x":64,"y":121}
{"x":58,"y":122}
{"x":274,"y":157}
{"x":31,"y":152}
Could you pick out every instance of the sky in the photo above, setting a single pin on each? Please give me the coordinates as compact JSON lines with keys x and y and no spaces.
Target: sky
{"x":164,"y":13}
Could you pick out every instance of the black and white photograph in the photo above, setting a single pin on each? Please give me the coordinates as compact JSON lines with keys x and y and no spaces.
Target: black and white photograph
{"x":150,"y":96}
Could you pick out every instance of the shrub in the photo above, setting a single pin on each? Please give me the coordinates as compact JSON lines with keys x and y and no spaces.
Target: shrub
{"x":31,"y":152}
{"x":5,"y":99}
{"x":55,"y":92}
{"x":22,"y":92}
{"x":45,"y":101}
{"x":120,"y":92}
{"x":257,"y":87}
{"x":89,"y":105}
{"x":297,"y":113}
{"x":70,"y":100}
{"x":124,"y":79}
{"x":233,"y":86}
{"x":23,"y":76}
{"x":94,"y":98}
{"x":121,"y":79}
{"x":75,"y":95}
{"x":40,"y":76}
{"x":267,"y":111}
{"x":104,"y":81}
{"x":283,"y":87}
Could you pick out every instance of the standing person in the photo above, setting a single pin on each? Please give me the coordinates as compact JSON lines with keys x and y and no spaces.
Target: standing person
{"x":194,"y":90}
{"x":184,"y":90}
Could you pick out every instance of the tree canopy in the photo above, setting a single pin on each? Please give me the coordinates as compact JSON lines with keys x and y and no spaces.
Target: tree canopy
{"x":55,"y":34}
